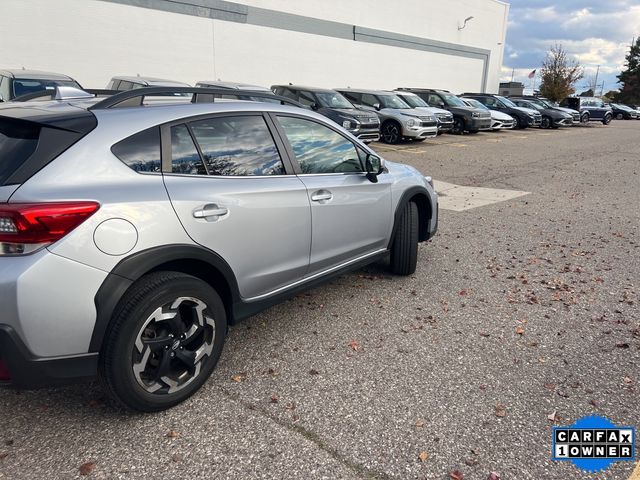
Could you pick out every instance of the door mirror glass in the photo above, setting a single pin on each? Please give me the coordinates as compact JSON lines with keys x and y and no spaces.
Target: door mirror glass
{"x":373,"y":166}
{"x":376,"y":106}
{"x":1,"y":98}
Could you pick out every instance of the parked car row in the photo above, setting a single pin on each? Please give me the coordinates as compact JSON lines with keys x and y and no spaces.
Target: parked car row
{"x":389,"y":115}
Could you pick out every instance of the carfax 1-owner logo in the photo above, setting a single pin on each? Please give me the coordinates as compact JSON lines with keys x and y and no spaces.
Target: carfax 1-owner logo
{"x":593,"y":443}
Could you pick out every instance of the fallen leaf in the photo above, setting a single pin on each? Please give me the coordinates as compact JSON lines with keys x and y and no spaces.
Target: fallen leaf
{"x":3,"y":456}
{"x":87,"y":468}
{"x":313,"y":371}
{"x":445,"y":306}
{"x":550,"y":386}
{"x":471,"y":462}
{"x":520,"y":331}
{"x":424,"y":456}
{"x":485,"y":334}
{"x":493,"y":476}
{"x":291,"y":406}
{"x":622,"y":345}
{"x":553,"y":417}
{"x":462,"y":292}
{"x":274,"y":399}
{"x":172,"y":434}
{"x":627,"y":380}
{"x":456,"y":475}
{"x":501,"y":410}
{"x":593,"y":402}
{"x":241,"y":377}
{"x":354,"y":345}
{"x":176,"y":457}
{"x":420,"y":423}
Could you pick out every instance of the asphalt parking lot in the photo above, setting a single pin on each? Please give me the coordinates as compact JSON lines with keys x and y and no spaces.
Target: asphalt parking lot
{"x":523,"y":314}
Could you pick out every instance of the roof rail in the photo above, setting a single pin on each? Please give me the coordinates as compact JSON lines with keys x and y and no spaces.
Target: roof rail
{"x":63,"y":93}
{"x":199,"y":95}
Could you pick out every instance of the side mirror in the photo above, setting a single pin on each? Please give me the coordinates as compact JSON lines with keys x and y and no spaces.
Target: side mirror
{"x":1,"y":98}
{"x":440,"y":105}
{"x":376,"y":106}
{"x":374,"y":166}
{"x":314,"y":106}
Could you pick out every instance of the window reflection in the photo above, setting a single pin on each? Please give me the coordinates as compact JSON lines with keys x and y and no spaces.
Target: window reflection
{"x":319,"y":149}
{"x":237,"y":146}
{"x":185,"y":158}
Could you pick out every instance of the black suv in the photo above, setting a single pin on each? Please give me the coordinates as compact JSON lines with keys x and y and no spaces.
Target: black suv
{"x":15,"y":83}
{"x":522,"y":117}
{"x":465,"y":118}
{"x":551,"y":118}
{"x":360,"y":123}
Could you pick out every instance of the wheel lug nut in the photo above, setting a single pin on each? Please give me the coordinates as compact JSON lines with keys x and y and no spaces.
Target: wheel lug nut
{"x":173,"y":354}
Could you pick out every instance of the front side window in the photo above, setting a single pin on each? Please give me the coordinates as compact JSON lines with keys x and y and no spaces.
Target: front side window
{"x":306,"y":98}
{"x":451,"y":100}
{"x":393,"y":101}
{"x":353,"y":97}
{"x":333,"y":100}
{"x":237,"y":146}
{"x":369,"y":100}
{"x":319,"y":149}
{"x":140,"y":152}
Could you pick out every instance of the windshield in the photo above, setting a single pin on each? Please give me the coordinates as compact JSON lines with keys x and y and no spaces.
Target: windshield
{"x":333,"y":100}
{"x":452,"y":100}
{"x":475,"y":103}
{"x":414,"y":101}
{"x":506,"y":101}
{"x":22,"y":86}
{"x":621,"y":107}
{"x":531,"y":105}
{"x":392,"y":101}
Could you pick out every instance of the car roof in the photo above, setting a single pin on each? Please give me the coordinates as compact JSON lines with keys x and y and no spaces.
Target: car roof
{"x":232,"y":85}
{"x":433,"y":90}
{"x":152,"y":81}
{"x":362,"y":90}
{"x":34,"y":74}
{"x":305,"y":87}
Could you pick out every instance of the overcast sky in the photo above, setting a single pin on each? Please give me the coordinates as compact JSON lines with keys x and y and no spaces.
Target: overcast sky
{"x":595,"y":32}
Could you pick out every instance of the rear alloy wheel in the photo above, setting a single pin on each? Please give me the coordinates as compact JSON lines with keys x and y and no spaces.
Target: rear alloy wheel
{"x":607,"y":119}
{"x":619,"y":116}
{"x":458,"y":126}
{"x":516,"y":123}
{"x":164,"y":341}
{"x":404,"y":249}
{"x":391,"y":132}
{"x":546,"y":122}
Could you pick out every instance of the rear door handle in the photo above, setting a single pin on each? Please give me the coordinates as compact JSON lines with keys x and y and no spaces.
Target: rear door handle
{"x":210,"y":210}
{"x":321,"y":196}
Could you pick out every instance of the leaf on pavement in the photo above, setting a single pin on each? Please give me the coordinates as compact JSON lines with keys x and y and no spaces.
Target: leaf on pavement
{"x":493,"y":476}
{"x":274,"y":399}
{"x":424,"y":456}
{"x":87,"y":468}
{"x":354,"y":345}
{"x":456,"y":475}
{"x":173,"y":434}
{"x":501,"y":410}
{"x":520,"y":331}
{"x":241,"y":377}
{"x":553,"y":417}
{"x":420,"y":423}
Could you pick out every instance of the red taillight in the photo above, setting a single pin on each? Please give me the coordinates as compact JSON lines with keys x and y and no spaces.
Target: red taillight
{"x":24,"y":226}
{"x":5,"y":375}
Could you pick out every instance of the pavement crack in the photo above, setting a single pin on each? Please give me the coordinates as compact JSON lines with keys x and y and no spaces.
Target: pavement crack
{"x":360,"y":470}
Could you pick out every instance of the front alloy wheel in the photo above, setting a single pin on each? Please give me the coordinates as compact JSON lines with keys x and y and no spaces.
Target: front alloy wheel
{"x":163,"y":342}
{"x":546,"y":122}
{"x":391,"y":132}
{"x":607,"y":119}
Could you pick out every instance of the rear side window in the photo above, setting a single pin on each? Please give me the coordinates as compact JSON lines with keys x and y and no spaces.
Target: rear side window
{"x":185,"y":158}
{"x":18,"y":141}
{"x":141,"y":152}
{"x":237,"y":146}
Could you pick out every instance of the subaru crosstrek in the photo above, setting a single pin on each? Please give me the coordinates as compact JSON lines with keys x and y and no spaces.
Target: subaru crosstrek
{"x":131,"y":237}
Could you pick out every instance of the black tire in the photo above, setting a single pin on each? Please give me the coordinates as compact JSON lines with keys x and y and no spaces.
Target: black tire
{"x":135,"y":317}
{"x":419,"y":139}
{"x":619,"y":116}
{"x":473,"y":132}
{"x":546,"y":122}
{"x":458,"y":126}
{"x":404,"y":250}
{"x":391,"y":132}
{"x":584,"y":119}
{"x":607,"y":119}
{"x":516,"y":123}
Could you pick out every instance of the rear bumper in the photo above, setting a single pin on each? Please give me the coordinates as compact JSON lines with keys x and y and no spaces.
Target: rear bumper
{"x":29,"y":371}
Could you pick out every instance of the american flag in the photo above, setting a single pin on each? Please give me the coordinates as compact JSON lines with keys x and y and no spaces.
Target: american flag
{"x":532,"y":74}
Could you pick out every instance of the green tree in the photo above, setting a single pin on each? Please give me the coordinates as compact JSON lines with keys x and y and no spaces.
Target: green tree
{"x":630,"y":77}
{"x":559,"y":74}
{"x":587,"y":93}
{"x":612,"y":95}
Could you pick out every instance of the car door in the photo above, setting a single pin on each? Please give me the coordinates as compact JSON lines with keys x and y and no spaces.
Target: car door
{"x":235,"y":193}
{"x":351,"y":217}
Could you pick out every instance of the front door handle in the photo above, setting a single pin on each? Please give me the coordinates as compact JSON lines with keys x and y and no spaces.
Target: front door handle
{"x":210,"y":210}
{"x":321,"y":196}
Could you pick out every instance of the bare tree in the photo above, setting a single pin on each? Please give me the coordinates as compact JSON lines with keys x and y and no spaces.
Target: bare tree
{"x":559,"y":74}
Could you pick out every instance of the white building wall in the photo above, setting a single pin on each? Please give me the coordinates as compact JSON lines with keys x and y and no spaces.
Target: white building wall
{"x":92,"y":40}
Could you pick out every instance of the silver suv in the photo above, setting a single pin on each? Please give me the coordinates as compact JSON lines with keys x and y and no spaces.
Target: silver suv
{"x":131,"y":237}
{"x":398,"y":120}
